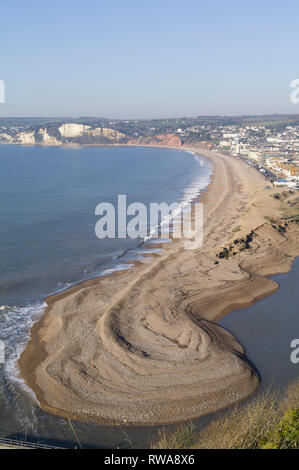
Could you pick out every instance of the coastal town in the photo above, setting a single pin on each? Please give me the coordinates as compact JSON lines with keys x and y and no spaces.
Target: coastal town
{"x":272,"y":149}
{"x":274,"y":153}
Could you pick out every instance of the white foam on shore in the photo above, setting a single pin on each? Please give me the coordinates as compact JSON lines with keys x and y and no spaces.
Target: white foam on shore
{"x":119,"y":267}
{"x":16,"y":323}
{"x":190,"y":194}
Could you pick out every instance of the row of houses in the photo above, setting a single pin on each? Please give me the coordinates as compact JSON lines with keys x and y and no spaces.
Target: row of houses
{"x":282,"y":167}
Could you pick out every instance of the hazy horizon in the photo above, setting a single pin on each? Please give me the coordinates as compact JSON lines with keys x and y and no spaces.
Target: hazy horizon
{"x":159,"y":118}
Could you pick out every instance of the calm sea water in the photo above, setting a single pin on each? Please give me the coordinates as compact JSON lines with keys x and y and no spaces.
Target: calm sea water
{"x":48,"y":198}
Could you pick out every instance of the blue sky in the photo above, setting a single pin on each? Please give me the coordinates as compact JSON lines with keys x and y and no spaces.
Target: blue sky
{"x":144,"y":59}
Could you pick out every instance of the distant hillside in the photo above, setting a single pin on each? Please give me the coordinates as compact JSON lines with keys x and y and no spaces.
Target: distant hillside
{"x":81,"y":133}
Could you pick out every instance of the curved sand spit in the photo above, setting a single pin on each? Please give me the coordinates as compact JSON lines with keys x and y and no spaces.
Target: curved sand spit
{"x":140,"y":347}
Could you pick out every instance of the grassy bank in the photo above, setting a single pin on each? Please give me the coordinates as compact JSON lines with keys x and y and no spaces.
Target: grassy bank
{"x":271,"y":421}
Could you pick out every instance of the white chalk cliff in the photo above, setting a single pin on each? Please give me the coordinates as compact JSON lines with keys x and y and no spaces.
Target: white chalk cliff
{"x":66,"y":132}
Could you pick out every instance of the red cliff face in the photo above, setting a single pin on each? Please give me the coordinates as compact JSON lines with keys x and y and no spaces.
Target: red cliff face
{"x":163,"y":140}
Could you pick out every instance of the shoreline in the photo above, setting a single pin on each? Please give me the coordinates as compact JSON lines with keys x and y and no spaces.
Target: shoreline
{"x":90,"y":388}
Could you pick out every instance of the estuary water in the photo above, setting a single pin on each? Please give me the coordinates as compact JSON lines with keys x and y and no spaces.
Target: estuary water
{"x":267,"y":329}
